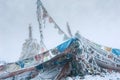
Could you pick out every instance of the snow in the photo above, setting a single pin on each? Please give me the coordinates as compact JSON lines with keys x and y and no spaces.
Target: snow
{"x":108,"y":76}
{"x":30,"y":48}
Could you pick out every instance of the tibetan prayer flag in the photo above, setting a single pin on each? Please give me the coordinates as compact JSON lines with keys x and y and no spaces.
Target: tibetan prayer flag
{"x":116,"y":51}
{"x":107,"y":49}
{"x":45,"y":13}
{"x":21,"y":64}
{"x":37,"y":57}
{"x":66,"y":44}
{"x":51,"y":20}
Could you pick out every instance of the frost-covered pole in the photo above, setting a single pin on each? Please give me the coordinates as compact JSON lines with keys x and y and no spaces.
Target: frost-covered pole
{"x":30,"y":31}
{"x":40,"y":19}
{"x":69,"y":30}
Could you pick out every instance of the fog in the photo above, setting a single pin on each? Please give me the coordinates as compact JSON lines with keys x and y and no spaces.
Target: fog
{"x":97,"y":20}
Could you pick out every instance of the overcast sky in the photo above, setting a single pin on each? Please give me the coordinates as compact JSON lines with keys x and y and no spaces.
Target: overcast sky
{"x":97,"y":20}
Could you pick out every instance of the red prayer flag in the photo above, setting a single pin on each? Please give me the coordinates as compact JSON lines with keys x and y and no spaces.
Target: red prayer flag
{"x":51,"y":20}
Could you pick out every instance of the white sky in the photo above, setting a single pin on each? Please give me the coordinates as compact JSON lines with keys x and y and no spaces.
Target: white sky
{"x":97,"y":20}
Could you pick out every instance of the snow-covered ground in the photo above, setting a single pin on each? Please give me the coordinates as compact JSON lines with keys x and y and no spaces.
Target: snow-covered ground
{"x":108,"y":76}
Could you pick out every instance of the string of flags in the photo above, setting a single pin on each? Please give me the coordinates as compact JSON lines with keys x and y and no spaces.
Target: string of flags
{"x":42,"y":60}
{"x":43,"y":15}
{"x":45,"y":59}
{"x":69,"y":53}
